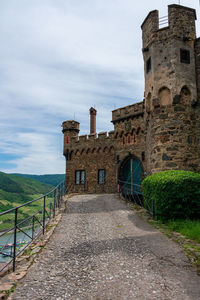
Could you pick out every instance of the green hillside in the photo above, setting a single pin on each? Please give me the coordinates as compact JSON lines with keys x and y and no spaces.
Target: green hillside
{"x":15,"y":190}
{"x":53,"y":179}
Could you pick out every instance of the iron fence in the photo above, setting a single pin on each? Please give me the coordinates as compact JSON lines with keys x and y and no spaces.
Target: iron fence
{"x":133,"y":193}
{"x":21,"y":225}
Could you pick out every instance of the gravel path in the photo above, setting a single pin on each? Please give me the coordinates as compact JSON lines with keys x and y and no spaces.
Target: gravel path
{"x":101,"y":250}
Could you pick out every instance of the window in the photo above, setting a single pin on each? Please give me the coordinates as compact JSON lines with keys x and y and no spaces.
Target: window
{"x":185,"y":56}
{"x":143,"y":156}
{"x":68,"y":155}
{"x":101,"y":176}
{"x":67,"y":139}
{"x":148,"y":65}
{"x":80,"y":177}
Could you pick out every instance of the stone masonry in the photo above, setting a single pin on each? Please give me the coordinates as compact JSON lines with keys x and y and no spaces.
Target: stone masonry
{"x":163,"y":131}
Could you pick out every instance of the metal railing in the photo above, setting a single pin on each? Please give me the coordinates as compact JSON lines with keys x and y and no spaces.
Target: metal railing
{"x":163,"y":22}
{"x":22,"y":224}
{"x":133,"y":193}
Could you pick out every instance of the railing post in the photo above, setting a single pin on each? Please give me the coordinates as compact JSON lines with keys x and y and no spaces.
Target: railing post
{"x":15,"y":239}
{"x":54,"y":203}
{"x":62,"y":190}
{"x":59,"y":196}
{"x":44,"y":211}
{"x":33,"y":227}
{"x":50,"y":208}
{"x":152,"y":208}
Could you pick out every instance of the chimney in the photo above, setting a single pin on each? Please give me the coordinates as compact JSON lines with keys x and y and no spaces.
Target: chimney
{"x":93,"y":113}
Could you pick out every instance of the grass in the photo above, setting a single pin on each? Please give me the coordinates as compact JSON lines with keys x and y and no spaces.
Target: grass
{"x":190,"y":229}
{"x":7,"y":220}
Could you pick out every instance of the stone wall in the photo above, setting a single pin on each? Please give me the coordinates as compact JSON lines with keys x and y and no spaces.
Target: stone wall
{"x":102,"y":151}
{"x":91,"y":161}
{"x":197,"y":54}
{"x":174,"y":144}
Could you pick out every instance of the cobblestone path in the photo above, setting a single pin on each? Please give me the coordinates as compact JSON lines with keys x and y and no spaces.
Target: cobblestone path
{"x":101,"y":250}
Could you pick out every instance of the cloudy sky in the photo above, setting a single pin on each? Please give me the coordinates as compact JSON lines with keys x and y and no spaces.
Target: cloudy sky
{"x":58,"y":58}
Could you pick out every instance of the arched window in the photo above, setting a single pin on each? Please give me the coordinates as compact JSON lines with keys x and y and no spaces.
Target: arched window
{"x":67,"y":139}
{"x":111,"y":149}
{"x":185,"y":95}
{"x":164,"y":96}
{"x":134,"y":138}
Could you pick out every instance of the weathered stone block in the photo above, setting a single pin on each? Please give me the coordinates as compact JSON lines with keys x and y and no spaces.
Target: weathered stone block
{"x":171,"y":165}
{"x":179,"y":108}
{"x":176,"y":99}
{"x":165,"y":157}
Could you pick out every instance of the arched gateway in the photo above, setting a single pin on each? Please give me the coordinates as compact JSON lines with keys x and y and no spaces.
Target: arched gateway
{"x":130,"y":175}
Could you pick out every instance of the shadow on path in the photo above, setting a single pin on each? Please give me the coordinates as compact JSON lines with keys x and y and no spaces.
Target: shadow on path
{"x":99,"y":203}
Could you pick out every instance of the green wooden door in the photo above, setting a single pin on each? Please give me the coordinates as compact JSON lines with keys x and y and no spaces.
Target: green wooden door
{"x":131,"y":176}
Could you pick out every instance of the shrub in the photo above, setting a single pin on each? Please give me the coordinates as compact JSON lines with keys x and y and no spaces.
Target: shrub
{"x":175,"y":194}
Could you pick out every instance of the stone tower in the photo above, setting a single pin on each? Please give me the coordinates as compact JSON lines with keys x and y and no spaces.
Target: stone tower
{"x":70,"y":131}
{"x":171,"y":102}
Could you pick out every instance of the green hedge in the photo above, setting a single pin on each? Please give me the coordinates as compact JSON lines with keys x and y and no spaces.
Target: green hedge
{"x":175,"y":194}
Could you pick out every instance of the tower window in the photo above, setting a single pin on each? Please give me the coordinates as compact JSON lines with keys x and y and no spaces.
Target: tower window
{"x":148,"y":65}
{"x":185,"y":56}
{"x":80,"y":177}
{"x":101,"y":176}
{"x":68,"y":155}
{"x":143,"y":156}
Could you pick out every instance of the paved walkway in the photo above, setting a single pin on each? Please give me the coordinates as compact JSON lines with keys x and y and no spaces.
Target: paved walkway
{"x":101,"y":250}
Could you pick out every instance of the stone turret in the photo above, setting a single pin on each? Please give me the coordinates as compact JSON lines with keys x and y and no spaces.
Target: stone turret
{"x":170,"y":90}
{"x":70,"y":130}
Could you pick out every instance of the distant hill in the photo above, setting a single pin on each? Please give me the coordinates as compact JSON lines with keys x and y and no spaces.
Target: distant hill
{"x":53,"y":179}
{"x":15,"y":190}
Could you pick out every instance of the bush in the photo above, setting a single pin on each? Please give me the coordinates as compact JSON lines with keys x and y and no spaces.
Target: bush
{"x":175,"y":194}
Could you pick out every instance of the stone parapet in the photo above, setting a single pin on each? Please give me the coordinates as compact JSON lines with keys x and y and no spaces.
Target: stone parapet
{"x":91,"y":141}
{"x":127,"y":112}
{"x":181,"y":22}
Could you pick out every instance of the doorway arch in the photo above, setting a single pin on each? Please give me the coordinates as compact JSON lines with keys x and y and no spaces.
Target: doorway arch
{"x":130,"y":175}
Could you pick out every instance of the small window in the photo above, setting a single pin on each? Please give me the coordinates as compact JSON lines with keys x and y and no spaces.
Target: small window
{"x":101,"y":176}
{"x":67,"y":139}
{"x":185,"y":56}
{"x":80,"y":177}
{"x":148,"y":65}
{"x":68,"y":155}
{"x":143,"y":156}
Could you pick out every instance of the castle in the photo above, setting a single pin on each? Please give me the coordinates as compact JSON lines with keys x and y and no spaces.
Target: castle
{"x":162,"y":132}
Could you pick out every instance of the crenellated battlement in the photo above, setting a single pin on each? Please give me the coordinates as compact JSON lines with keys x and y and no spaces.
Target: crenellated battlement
{"x":181,"y":24}
{"x":90,"y":141}
{"x":127,"y":112}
